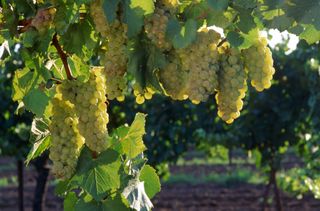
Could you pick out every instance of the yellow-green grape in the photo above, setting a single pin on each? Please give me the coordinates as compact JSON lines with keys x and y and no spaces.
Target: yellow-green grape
{"x":66,"y":140}
{"x":155,"y":28}
{"x":99,"y":17}
{"x":115,"y":61}
{"x":259,"y":63}
{"x":142,"y":94}
{"x":89,"y":99}
{"x":232,"y":84}
{"x":173,"y":79}
{"x":43,"y":19}
{"x":200,"y":60}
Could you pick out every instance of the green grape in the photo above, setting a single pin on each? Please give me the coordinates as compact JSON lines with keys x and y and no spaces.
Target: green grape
{"x":115,"y":59}
{"x":43,"y":19}
{"x":99,"y":18}
{"x":200,"y":60}
{"x":259,"y":63}
{"x":173,"y":79}
{"x":155,"y":28}
{"x":142,"y":94}
{"x":66,"y":139}
{"x":89,"y":100}
{"x":232,"y":84}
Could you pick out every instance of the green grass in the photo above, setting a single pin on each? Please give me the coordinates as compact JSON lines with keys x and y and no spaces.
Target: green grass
{"x":213,"y":161}
{"x":234,"y":177}
{"x":8,"y":181}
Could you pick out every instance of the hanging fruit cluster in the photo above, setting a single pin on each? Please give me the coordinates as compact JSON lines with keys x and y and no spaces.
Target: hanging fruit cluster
{"x":208,"y":66}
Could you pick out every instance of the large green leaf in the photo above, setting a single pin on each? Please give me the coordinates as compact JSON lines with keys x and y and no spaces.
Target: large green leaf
{"x":310,"y":34}
{"x":151,"y":180}
{"x":70,"y":201}
{"x":134,"y":12}
{"x":218,"y":4}
{"x":39,"y":137}
{"x":118,"y":203}
{"x":99,"y":176}
{"x":36,"y":101}
{"x":132,"y":142}
{"x":182,"y":35}
{"x":24,"y":80}
{"x":110,"y":8}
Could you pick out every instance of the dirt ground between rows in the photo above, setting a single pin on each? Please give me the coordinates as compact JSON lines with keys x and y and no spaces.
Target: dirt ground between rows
{"x":173,"y":197}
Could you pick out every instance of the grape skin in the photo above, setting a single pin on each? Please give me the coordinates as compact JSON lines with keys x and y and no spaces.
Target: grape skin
{"x":173,"y":79}
{"x":115,"y":59}
{"x":89,"y":100}
{"x":232,"y":84}
{"x":259,"y":63}
{"x":155,"y":28}
{"x":200,"y":61}
{"x":66,"y":139}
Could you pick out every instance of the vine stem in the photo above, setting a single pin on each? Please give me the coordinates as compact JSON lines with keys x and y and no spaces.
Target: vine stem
{"x":63,"y":56}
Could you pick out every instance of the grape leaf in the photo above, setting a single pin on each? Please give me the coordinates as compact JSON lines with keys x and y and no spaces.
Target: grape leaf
{"x":24,"y":80}
{"x":132,"y":143}
{"x":134,"y":12}
{"x":118,"y":203}
{"x":281,"y":23}
{"x":181,"y":36}
{"x":98,"y":176}
{"x":70,"y":201}
{"x":218,"y":18}
{"x":36,"y":101}
{"x":151,"y":180}
{"x":39,"y":137}
{"x":110,"y":8}
{"x":218,"y":4}
{"x":83,"y":205}
{"x":310,"y":34}
{"x":75,"y":41}
{"x":246,"y":22}
{"x":235,"y":38}
{"x":136,"y":64}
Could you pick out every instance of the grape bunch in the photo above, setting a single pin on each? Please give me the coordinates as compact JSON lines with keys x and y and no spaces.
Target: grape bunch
{"x":99,"y":18}
{"x":114,"y":59}
{"x":200,"y":60}
{"x":232,"y":84}
{"x":142,"y":94}
{"x":173,"y":79}
{"x":155,"y":28}
{"x":43,"y":19}
{"x":66,"y":139}
{"x":89,"y":101}
{"x":259,"y":63}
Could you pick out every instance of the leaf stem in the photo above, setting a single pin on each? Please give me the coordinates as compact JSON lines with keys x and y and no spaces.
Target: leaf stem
{"x":63,"y":56}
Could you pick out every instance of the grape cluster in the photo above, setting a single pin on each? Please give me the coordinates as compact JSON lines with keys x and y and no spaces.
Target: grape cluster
{"x":232,"y":84}
{"x":142,"y":94}
{"x":201,"y":61}
{"x":155,"y":28}
{"x":99,"y":18}
{"x":66,"y":139}
{"x":43,"y":19}
{"x":173,"y":79}
{"x":259,"y":63}
{"x":115,"y":59}
{"x":90,"y":106}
